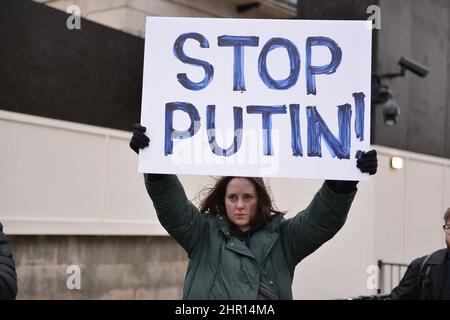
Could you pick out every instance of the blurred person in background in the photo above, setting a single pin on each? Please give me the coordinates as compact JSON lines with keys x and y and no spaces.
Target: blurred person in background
{"x":428,"y":277}
{"x":8,"y":276}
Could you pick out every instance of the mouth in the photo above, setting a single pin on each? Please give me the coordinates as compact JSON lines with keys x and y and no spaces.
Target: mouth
{"x":240,"y":216}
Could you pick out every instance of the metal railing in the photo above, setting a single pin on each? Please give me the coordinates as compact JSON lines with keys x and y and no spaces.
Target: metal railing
{"x":390,"y":273}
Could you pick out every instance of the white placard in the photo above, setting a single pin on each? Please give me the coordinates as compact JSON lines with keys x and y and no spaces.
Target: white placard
{"x":243,"y":97}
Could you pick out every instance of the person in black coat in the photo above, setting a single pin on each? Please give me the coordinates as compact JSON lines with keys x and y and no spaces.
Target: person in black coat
{"x":8,"y":276}
{"x":428,"y":277}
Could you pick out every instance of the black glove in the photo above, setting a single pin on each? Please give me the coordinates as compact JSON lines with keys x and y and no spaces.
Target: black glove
{"x":368,"y":162}
{"x":139,"y":140}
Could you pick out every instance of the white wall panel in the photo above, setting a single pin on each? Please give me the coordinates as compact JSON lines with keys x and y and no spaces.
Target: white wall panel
{"x":389,"y":210}
{"x":125,"y":197}
{"x":424,"y":211}
{"x":50,"y":173}
{"x":338,"y":268}
{"x":66,"y":178}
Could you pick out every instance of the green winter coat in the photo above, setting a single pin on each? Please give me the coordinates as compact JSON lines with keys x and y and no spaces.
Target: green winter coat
{"x":223,"y":267}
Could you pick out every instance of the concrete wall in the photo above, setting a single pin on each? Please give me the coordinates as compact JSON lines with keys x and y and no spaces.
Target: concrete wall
{"x":418,"y":30}
{"x":110,"y":267}
{"x":129,"y":15}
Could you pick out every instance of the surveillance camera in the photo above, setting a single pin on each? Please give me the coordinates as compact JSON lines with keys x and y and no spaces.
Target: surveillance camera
{"x":391,"y":111}
{"x":381,"y":94}
{"x":413,"y":66}
{"x":241,"y":8}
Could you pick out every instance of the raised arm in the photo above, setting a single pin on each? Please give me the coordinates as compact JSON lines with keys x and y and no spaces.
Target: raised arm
{"x":176,"y":213}
{"x":325,"y":215}
{"x":318,"y":223}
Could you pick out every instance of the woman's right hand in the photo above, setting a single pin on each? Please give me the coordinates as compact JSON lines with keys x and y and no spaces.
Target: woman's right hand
{"x":139,"y":140}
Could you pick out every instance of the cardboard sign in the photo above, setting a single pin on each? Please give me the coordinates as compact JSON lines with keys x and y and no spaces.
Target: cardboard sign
{"x":242,"y":97}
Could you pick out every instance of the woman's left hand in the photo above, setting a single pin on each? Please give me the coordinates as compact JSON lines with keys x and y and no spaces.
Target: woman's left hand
{"x":368,"y":162}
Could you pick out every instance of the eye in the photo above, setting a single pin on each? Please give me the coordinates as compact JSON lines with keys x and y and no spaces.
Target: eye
{"x":248,"y":197}
{"x":232,"y":197}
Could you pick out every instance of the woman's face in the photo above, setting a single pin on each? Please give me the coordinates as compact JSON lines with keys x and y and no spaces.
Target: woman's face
{"x":241,"y":202}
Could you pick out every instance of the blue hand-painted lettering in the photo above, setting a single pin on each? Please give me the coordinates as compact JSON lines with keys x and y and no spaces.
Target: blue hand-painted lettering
{"x":311,"y":71}
{"x":238,"y":42}
{"x":179,"y":53}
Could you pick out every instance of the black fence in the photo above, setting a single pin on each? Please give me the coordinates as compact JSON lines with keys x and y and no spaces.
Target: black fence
{"x":390,"y":275}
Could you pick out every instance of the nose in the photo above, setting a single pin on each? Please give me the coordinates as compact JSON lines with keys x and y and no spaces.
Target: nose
{"x":240,"y":204}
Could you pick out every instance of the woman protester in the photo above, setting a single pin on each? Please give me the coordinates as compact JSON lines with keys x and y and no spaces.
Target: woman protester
{"x":239,"y":246}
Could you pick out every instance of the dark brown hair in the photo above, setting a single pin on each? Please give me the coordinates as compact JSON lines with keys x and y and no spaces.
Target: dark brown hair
{"x":214,"y":201}
{"x":447,"y":215}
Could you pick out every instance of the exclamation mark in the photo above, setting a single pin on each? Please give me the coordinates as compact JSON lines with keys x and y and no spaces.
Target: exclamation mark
{"x":359,"y":118}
